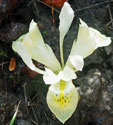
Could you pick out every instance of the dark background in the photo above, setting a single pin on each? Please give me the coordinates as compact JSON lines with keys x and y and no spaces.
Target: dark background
{"x":95,"y":82}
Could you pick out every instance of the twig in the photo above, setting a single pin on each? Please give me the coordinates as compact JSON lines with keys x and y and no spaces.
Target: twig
{"x":33,"y":98}
{"x":109,"y":23}
{"x":110,"y":27}
{"x":89,"y":7}
{"x":34,"y":115}
{"x":33,"y":121}
{"x":37,"y":12}
{"x":29,"y":3}
{"x":47,"y":5}
{"x":1,"y":64}
{"x":25,"y":97}
{"x":46,"y":116}
{"x":44,"y":4}
{"x":111,"y":18}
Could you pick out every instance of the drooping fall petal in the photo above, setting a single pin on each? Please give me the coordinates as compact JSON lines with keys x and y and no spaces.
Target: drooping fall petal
{"x":62,"y":99}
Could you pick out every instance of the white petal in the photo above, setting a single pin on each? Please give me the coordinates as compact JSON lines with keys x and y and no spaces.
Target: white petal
{"x":66,"y":18}
{"x":88,"y":40}
{"x":62,"y":99}
{"x":68,"y":74}
{"x":34,"y":33}
{"x":50,"y":78}
{"x":38,"y":50}
{"x":21,"y":50}
{"x":85,"y":44}
{"x":101,"y":40}
{"x":77,"y":61}
{"x":45,"y":55}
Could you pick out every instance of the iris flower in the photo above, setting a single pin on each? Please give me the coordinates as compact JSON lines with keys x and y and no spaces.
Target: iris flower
{"x":62,"y":96}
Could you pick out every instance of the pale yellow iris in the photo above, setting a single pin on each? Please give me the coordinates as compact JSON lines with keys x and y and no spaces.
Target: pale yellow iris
{"x":62,"y":96}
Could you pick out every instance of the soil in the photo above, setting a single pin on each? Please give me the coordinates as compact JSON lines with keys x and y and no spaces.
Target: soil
{"x":95,"y":82}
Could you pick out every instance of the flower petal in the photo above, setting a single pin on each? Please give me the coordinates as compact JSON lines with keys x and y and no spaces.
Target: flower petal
{"x":77,"y":61}
{"x":50,"y":78}
{"x":62,"y":99}
{"x":88,"y":40}
{"x":66,"y":18}
{"x":21,"y":50}
{"x":34,"y":33}
{"x":67,"y":74}
{"x":39,"y":51}
{"x":102,"y":40}
{"x":85,"y":44}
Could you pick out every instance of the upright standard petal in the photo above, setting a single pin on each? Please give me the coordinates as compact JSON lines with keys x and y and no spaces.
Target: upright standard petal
{"x":21,"y":50}
{"x":62,"y":99}
{"x":66,"y":18}
{"x":39,"y":51}
{"x":88,"y":40}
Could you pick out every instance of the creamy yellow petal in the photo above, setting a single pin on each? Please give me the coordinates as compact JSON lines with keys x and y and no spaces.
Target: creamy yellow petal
{"x":77,"y":61}
{"x":21,"y":50}
{"x":50,"y":77}
{"x":66,"y":18}
{"x":85,"y":44}
{"x":34,"y":33}
{"x":101,"y":40}
{"x":67,"y":74}
{"x":39,"y":51}
{"x":62,"y":99}
{"x":88,"y":40}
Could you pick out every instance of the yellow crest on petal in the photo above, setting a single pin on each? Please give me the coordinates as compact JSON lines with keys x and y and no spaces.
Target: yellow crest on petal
{"x":62,"y":99}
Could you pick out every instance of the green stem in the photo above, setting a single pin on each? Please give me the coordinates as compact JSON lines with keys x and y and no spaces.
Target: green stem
{"x":61,"y":51}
